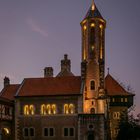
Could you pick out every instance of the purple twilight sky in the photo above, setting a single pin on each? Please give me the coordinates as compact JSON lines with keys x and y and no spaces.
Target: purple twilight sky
{"x":37,"y":33}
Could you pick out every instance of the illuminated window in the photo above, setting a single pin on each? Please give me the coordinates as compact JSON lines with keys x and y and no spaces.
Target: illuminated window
{"x":126,"y":100}
{"x":48,"y":109}
{"x":54,"y":109}
{"x":116,"y":115}
{"x":71,"y":109}
{"x":26,"y":110}
{"x":101,"y":52}
{"x":32,"y":110}
{"x":101,"y":26}
{"x":29,"y":110}
{"x":6,"y":131}
{"x":92,"y":85}
{"x":66,"y":109}
{"x":85,"y":27}
{"x":121,"y":99}
{"x":92,"y":25}
{"x":43,"y":109}
{"x":113,"y":99}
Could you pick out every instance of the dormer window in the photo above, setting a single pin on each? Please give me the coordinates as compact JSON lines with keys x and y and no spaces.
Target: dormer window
{"x":92,"y":85}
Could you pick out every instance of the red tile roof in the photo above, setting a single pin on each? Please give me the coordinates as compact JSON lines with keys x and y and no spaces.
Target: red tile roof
{"x":9,"y":92}
{"x":50,"y":86}
{"x":113,"y":87}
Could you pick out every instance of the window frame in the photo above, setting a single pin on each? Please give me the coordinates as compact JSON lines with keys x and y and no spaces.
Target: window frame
{"x":68,"y":131}
{"x":92,"y":85}
{"x":49,"y":132}
{"x":116,"y":115}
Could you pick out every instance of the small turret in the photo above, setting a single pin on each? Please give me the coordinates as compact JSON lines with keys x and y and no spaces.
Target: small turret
{"x":65,"y":67}
{"x":65,"y":64}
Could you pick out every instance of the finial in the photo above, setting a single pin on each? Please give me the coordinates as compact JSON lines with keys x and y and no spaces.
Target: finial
{"x":108,"y":69}
{"x":93,"y":5}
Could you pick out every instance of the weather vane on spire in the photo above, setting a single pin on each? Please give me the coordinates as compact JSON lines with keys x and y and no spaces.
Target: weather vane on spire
{"x":93,"y":5}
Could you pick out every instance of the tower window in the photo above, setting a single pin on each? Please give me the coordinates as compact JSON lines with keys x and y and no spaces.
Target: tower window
{"x":116,"y":115}
{"x":92,"y":25}
{"x":92,"y":85}
{"x":92,"y":111}
{"x":85,"y":27}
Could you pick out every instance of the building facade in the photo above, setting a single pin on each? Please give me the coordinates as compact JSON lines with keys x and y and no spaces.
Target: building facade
{"x":65,"y":106}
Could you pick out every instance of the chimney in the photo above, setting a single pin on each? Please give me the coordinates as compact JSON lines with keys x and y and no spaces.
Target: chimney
{"x":48,"y":72}
{"x":65,"y":64}
{"x":6,"y":81}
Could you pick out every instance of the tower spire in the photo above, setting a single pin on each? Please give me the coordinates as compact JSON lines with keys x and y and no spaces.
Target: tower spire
{"x":93,"y":5}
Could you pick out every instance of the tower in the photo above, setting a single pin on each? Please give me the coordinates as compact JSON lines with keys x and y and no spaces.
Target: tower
{"x":93,"y":61}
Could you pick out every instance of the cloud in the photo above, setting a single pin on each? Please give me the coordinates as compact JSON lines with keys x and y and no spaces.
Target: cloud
{"x":36,"y":28}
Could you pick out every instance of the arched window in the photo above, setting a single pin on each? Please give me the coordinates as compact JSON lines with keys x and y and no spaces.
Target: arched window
{"x":26,"y":110}
{"x":66,"y":109}
{"x":71,"y":109}
{"x":48,"y":109}
{"x":54,"y":109}
{"x":92,"y":34}
{"x":6,"y":131}
{"x":43,"y":109}
{"x":116,"y":115}
{"x":92,"y":111}
{"x":32,"y":110}
{"x":92,"y":85}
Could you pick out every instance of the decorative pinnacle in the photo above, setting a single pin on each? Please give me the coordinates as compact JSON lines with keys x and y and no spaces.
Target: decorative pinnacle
{"x":93,"y":5}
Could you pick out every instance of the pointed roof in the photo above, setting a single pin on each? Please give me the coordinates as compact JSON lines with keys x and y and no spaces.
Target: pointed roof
{"x":93,"y":12}
{"x":114,"y":88}
{"x":9,"y":91}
